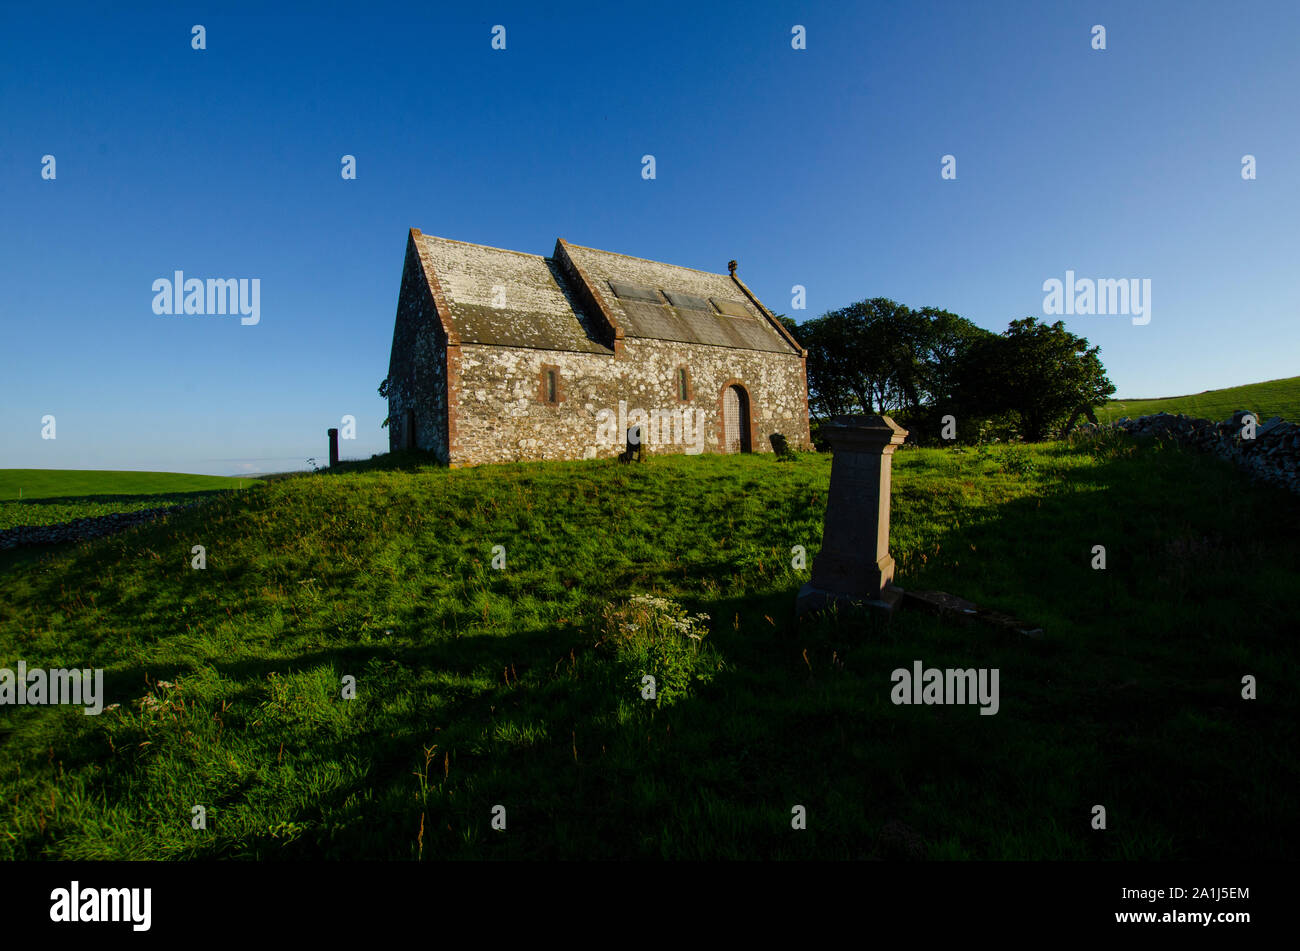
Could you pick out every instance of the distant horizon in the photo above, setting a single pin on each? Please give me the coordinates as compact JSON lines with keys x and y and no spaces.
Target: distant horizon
{"x":306,"y":468}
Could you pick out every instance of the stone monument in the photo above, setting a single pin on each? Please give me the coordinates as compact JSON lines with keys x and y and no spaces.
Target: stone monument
{"x":854,"y":565}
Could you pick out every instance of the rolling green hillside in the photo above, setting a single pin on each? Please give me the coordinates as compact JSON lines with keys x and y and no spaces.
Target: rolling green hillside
{"x":76,"y":483}
{"x":1274,"y":398}
{"x":54,"y":496}
{"x":520,"y":686}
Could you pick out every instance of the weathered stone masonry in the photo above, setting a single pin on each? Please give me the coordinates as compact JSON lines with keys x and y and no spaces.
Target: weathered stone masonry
{"x":1272,"y":456}
{"x":478,"y":329}
{"x":417,"y":366}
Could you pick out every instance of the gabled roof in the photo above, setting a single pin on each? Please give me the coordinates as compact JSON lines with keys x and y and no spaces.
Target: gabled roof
{"x":508,"y":298}
{"x":587,"y":300}
{"x":667,"y":302}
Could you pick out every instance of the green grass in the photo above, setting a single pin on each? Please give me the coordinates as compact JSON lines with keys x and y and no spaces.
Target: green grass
{"x":1274,"y":398}
{"x":478,"y":687}
{"x":51,"y":496}
{"x":74,"y":483}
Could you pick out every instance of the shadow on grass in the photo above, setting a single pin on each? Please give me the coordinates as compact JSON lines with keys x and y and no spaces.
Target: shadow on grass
{"x":405,"y":460}
{"x":1131,"y":700}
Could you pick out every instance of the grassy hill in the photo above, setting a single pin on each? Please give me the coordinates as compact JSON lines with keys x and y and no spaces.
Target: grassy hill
{"x":73,"y":483}
{"x":1274,"y":398}
{"x":519,"y":687}
{"x":53,"y":496}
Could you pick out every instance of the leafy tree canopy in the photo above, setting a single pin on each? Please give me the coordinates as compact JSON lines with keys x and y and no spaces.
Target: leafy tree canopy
{"x":879,"y":356}
{"x":1039,"y":371}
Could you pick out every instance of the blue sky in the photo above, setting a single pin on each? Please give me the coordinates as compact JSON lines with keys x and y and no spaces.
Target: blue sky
{"x":818,"y":167}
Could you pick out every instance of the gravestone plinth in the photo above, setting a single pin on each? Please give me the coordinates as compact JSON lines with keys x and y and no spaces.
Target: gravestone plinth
{"x":854,"y":566}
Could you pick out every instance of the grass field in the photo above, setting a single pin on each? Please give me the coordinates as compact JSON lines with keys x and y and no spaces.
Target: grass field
{"x":80,"y":483}
{"x":52,"y":496}
{"x":478,"y":687}
{"x":1274,"y":398}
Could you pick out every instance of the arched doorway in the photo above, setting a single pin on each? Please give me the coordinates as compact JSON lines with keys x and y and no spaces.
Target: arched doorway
{"x":735,"y":419}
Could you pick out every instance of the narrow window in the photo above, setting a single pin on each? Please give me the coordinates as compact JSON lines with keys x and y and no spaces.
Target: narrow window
{"x":683,"y":384}
{"x":550,"y":388}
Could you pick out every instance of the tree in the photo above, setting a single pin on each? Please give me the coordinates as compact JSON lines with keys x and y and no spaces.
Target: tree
{"x":879,"y":356}
{"x":1038,"y":371}
{"x":944,"y":346}
{"x":383,"y":391}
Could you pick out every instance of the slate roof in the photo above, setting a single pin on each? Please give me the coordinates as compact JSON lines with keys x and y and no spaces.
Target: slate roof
{"x":667,"y":302}
{"x":647,"y":299}
{"x":539,"y":310}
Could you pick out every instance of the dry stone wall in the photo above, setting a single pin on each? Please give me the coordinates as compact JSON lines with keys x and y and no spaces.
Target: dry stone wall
{"x":1273,"y":456}
{"x":81,"y":529}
